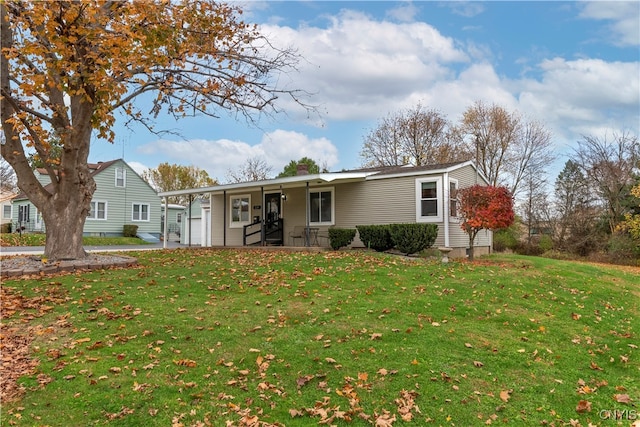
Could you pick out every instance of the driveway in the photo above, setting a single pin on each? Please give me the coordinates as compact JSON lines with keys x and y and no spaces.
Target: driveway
{"x":39,"y":250}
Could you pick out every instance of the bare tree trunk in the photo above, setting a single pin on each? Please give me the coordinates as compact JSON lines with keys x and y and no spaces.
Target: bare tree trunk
{"x":472,"y":237}
{"x":64,"y":229}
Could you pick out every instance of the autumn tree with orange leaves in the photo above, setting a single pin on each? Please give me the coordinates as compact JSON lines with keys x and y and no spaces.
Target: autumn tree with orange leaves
{"x":484,"y":208}
{"x":67,"y":67}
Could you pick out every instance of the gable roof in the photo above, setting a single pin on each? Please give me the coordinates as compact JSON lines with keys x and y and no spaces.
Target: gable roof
{"x":343,"y":176}
{"x":94,"y":169}
{"x":6,"y":196}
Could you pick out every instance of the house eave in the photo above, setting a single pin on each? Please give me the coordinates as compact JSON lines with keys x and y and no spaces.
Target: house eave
{"x":272,"y":184}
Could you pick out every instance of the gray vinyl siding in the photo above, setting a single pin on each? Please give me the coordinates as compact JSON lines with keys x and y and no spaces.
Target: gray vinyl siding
{"x":467,"y":176}
{"x":382,"y":201}
{"x":120,"y":201}
{"x":217,"y":220}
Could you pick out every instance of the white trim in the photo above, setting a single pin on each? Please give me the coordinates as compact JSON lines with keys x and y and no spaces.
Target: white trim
{"x":140,"y":219}
{"x":439,"y":199}
{"x":333,"y":205}
{"x":95,"y":211}
{"x":240,"y":223}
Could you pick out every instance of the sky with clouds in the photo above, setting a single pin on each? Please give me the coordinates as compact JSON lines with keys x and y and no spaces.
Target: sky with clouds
{"x":574,"y":66}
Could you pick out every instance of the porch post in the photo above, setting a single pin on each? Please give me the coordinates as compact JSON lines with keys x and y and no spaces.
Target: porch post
{"x":446,"y":207}
{"x":190,"y":200}
{"x":308,"y":216}
{"x":165,"y":233}
{"x":224,"y":218}
{"x":263,"y":233}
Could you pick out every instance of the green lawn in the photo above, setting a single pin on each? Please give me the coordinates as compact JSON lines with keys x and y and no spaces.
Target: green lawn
{"x":254,"y":337}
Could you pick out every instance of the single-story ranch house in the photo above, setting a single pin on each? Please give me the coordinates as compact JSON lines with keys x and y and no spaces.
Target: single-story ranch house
{"x":298,"y":210}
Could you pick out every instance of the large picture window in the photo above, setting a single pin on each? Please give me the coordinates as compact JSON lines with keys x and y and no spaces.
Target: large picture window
{"x":240,"y":210}
{"x":98,"y":210}
{"x":429,"y":200}
{"x":140,"y":212}
{"x":321,"y":207}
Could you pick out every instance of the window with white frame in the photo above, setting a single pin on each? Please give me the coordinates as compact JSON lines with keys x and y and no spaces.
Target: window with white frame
{"x":121,"y":177}
{"x":98,"y":210}
{"x":6,"y":211}
{"x":240,"y":210}
{"x":428,"y":199}
{"x":453,"y":198}
{"x":140,"y":212}
{"x":321,"y":206}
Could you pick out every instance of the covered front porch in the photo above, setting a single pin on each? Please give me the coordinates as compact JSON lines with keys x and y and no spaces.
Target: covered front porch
{"x":293,"y":211}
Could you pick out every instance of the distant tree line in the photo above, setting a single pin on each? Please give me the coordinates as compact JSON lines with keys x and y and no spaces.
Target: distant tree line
{"x":593,"y":208}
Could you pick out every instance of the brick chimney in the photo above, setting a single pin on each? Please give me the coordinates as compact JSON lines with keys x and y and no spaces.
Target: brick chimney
{"x":302,"y":169}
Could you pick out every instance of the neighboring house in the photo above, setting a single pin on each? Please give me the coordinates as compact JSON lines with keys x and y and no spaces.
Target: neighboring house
{"x":121,"y":197}
{"x":174,"y":213}
{"x":274,"y":211}
{"x":6,"y":209}
{"x":196,"y":229}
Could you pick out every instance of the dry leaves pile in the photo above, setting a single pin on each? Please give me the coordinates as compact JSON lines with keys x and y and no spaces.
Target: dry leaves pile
{"x":15,"y":341}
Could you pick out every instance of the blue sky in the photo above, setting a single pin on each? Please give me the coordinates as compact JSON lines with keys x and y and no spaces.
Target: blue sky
{"x":574,"y":66}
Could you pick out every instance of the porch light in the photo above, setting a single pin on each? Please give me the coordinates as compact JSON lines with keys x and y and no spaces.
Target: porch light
{"x":283,"y":196}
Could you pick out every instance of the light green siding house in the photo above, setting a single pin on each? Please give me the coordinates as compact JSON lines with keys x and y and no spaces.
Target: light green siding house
{"x":175,"y":214}
{"x":275,"y":211}
{"x":121,"y":197}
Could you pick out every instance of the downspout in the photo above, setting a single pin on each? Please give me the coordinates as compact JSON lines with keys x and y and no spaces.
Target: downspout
{"x":446,"y":208}
{"x":224,"y":218}
{"x":307,"y":216}
{"x":165,"y":232}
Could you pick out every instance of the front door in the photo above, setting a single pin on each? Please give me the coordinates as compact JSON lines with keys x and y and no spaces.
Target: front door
{"x":272,"y":212}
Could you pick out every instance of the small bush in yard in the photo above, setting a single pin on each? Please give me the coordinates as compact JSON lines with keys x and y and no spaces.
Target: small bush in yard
{"x":340,"y":237}
{"x":505,"y":238}
{"x":376,"y":237}
{"x":130,"y":230}
{"x":412,"y":238}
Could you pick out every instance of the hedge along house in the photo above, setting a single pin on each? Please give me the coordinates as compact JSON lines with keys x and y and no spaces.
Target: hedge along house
{"x":121,"y":197}
{"x":298,"y":210}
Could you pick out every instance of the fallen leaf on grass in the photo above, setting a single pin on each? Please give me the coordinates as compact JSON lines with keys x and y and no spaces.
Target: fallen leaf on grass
{"x":583,"y":406}
{"x":622,"y":398}
{"x":505,"y":395}
{"x":594,"y":366}
{"x":185,"y":362}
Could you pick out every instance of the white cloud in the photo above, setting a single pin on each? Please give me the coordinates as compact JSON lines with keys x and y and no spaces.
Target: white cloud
{"x":406,"y":12}
{"x":576,"y":96}
{"x":624,"y":17}
{"x":276,"y":148}
{"x":356,"y":63}
{"x":468,"y":9}
{"x":140,"y":168}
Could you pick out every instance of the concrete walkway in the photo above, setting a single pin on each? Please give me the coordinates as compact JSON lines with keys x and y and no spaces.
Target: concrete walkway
{"x":39,"y":250}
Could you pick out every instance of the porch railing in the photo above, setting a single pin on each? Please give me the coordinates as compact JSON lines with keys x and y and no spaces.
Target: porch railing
{"x":258,"y":233}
